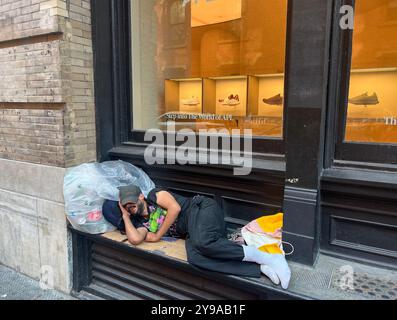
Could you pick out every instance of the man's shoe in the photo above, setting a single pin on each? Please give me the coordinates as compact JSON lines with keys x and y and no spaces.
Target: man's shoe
{"x":274,"y":101}
{"x":231,"y":100}
{"x":365,"y":99}
{"x":194,"y":101}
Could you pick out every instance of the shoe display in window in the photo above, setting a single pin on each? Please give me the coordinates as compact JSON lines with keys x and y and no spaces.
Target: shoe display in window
{"x":365,"y":99}
{"x":277,"y":100}
{"x":193,"y":101}
{"x":232,"y":100}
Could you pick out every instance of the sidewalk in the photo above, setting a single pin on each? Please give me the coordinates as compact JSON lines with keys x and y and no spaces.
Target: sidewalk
{"x":330,"y":278}
{"x":337,"y":279}
{"x":15,"y":286}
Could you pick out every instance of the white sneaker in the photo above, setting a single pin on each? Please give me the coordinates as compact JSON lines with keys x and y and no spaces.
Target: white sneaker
{"x":194,"y":101}
{"x":232,"y":100}
{"x":270,"y":273}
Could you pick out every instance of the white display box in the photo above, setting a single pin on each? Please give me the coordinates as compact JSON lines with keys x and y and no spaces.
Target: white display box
{"x":221,"y":88}
{"x":184,"y":95}
{"x":269,"y":87}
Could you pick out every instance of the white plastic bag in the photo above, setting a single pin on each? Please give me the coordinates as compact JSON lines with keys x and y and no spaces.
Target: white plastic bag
{"x":87,"y":186}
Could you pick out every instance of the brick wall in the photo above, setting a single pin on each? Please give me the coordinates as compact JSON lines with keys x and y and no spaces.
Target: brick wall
{"x":26,"y":18}
{"x":46,"y":63}
{"x":32,"y":136}
{"x":77,"y":73}
{"x":47,"y":123}
{"x":31,"y":73}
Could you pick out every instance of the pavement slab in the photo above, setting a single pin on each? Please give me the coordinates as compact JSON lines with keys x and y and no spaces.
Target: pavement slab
{"x":16,"y":286}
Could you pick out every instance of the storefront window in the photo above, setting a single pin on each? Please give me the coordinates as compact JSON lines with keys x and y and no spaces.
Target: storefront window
{"x":372,"y":109}
{"x":209,"y":64}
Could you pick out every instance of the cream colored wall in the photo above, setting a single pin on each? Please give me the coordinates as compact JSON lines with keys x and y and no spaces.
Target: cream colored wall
{"x":34,"y":239}
{"x":210,"y":12}
{"x":146,"y":85}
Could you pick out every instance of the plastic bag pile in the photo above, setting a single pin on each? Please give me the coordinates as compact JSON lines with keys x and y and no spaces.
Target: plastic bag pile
{"x":87,"y":186}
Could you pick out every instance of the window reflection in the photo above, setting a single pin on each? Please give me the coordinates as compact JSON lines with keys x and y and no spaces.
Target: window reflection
{"x":372,"y":109}
{"x":206,"y":58}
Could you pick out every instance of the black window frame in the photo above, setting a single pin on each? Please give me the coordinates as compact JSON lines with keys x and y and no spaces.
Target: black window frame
{"x":341,"y":152}
{"x":262,"y":146}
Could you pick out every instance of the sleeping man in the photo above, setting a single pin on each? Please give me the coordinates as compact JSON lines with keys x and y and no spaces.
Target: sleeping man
{"x":200,"y":221}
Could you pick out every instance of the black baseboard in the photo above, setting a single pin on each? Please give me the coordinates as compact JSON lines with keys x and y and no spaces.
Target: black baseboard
{"x":300,"y":227}
{"x":115,"y":270}
{"x":358,"y":214}
{"x":305,"y":248}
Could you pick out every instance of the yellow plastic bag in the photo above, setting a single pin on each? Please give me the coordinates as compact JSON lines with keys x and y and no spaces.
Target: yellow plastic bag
{"x":265,"y":233}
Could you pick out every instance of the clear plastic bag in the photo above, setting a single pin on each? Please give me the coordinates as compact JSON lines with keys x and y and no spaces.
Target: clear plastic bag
{"x":87,"y":186}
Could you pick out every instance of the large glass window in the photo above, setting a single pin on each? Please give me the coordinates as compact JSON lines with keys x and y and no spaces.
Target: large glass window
{"x":209,"y":64}
{"x":372,"y":109}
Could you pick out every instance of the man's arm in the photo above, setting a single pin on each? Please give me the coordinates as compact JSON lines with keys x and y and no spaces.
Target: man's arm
{"x":135,"y":236}
{"x":168,"y":202}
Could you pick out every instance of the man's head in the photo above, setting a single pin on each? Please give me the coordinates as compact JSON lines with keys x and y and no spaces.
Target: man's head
{"x":132,"y":199}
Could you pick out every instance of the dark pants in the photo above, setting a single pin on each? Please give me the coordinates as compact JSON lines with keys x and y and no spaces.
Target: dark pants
{"x":206,"y":244}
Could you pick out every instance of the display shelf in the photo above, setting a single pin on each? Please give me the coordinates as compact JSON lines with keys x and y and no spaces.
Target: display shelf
{"x":266,"y":95}
{"x":373,"y":70}
{"x":225,"y":95}
{"x":372,"y":93}
{"x":238,"y":96}
{"x":184,"y":95}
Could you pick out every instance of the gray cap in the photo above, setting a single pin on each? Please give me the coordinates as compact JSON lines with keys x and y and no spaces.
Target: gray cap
{"x":129,"y":194}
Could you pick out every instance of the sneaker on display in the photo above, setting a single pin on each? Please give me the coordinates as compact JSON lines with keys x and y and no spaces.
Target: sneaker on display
{"x":365,"y":99}
{"x":193,"y":101}
{"x":276,"y":100}
{"x":231,"y":100}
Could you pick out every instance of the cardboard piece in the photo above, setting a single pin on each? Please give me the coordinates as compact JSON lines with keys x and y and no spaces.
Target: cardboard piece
{"x":171,"y":247}
{"x":115,"y":236}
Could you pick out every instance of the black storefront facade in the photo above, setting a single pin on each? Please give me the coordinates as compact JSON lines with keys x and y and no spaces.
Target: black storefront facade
{"x":338,"y":197}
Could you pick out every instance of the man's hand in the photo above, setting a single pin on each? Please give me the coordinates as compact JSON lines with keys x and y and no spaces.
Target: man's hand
{"x":152,"y":237}
{"x":124,"y":211}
